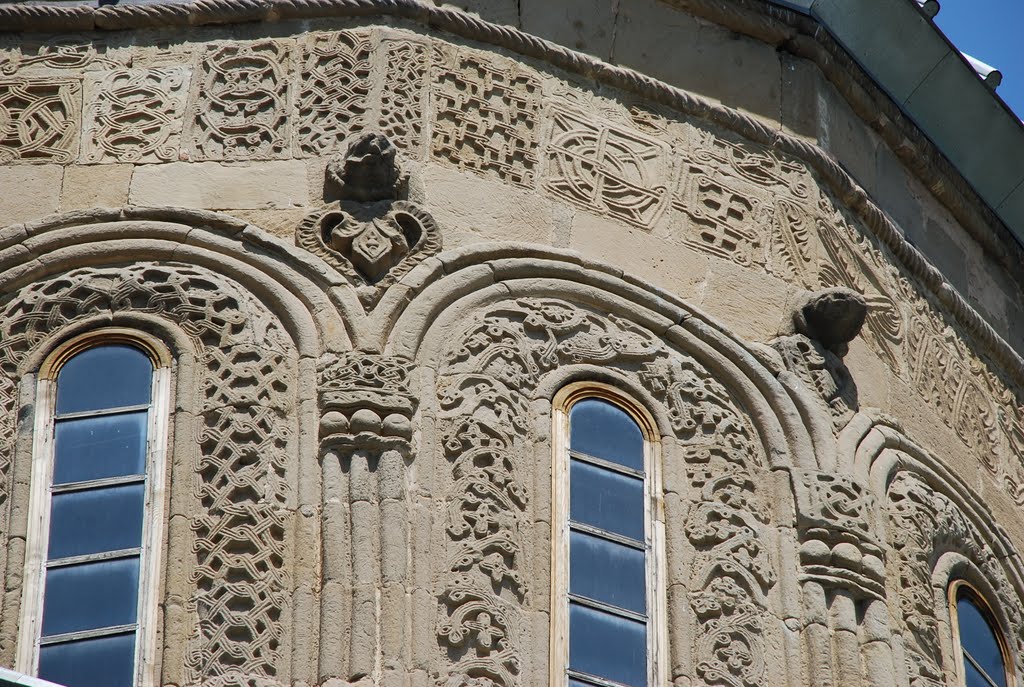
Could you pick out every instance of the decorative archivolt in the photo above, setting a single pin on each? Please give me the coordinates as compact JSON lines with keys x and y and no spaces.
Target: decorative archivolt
{"x":496,"y":362}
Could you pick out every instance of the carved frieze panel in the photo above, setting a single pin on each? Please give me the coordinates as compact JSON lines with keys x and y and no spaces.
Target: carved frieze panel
{"x":134,"y":115}
{"x":65,"y":53}
{"x":404,"y":93}
{"x":794,"y":247}
{"x":754,"y":164}
{"x":334,"y":85}
{"x":239,"y":107}
{"x":606,"y":168}
{"x":724,"y":218}
{"x":39,"y":119}
{"x":486,"y":114}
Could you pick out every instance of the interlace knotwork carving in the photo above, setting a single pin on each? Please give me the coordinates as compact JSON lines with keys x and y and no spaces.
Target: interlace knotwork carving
{"x":67,"y":52}
{"x":365,"y":401}
{"x":403,"y":95}
{"x":240,"y":102}
{"x":922,"y":525}
{"x":607,"y":168}
{"x":39,"y":119}
{"x":244,"y":429}
{"x":732,"y":570}
{"x":135,"y":115}
{"x":839,"y":544}
{"x":724,"y":218}
{"x":335,"y":85}
{"x":486,"y":114}
{"x":372,"y":238}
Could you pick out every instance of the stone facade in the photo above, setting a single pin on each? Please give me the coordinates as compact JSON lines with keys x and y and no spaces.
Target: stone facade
{"x":378,"y":243}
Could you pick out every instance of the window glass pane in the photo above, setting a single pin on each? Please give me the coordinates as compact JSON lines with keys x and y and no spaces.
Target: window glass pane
{"x":104,"y":377}
{"x":90,"y":596}
{"x":99,"y":662}
{"x":973,"y":678}
{"x":96,"y":520}
{"x":97,"y":447}
{"x":603,"y":430}
{"x":977,"y":638}
{"x":607,"y":646}
{"x":608,"y":572}
{"x":606,"y":499}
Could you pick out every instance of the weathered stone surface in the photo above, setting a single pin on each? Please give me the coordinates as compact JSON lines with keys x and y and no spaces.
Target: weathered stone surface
{"x":214,"y":185}
{"x":29,"y":192}
{"x":91,"y":186}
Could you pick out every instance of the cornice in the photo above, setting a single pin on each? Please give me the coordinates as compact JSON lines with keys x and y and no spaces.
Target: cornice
{"x":778,"y":26}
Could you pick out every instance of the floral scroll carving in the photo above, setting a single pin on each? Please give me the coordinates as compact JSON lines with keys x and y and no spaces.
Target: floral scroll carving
{"x":370,"y":236}
{"x":484,"y":390}
{"x":245,"y":426}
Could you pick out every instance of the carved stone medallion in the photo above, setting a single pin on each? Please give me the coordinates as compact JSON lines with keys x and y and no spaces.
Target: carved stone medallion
{"x":369,"y":235}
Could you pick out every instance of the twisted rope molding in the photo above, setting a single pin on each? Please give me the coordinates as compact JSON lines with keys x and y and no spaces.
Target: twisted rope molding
{"x":37,"y":18}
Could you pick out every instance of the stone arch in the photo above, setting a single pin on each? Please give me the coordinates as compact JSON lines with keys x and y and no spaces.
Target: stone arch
{"x":237,"y":311}
{"x":935,"y":529}
{"x":493,"y":338}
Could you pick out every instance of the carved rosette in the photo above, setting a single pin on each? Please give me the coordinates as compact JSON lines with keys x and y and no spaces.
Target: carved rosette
{"x":370,"y":236}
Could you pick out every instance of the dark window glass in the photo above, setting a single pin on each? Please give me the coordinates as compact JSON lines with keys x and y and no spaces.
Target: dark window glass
{"x":98,"y":662}
{"x":606,"y":499}
{"x":104,"y":377}
{"x":89,"y":596}
{"x":979,"y":641}
{"x":96,"y":520}
{"x":607,"y":646}
{"x":603,"y":430}
{"x":607,"y":571}
{"x":97,"y":447}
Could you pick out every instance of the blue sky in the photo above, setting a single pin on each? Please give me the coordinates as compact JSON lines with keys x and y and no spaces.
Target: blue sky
{"x":993,"y":32}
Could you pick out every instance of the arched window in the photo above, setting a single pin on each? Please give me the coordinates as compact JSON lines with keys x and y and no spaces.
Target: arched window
{"x":96,"y":513}
{"x":607,"y":564}
{"x":982,"y":655}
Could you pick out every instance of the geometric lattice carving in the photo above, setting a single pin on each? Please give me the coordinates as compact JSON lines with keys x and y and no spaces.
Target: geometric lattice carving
{"x":724,"y":220}
{"x":240,"y":102}
{"x":135,"y":115}
{"x":39,"y":119}
{"x":607,"y":168}
{"x":247,"y":367}
{"x":403,"y":95}
{"x":485,"y":115}
{"x":335,"y":84}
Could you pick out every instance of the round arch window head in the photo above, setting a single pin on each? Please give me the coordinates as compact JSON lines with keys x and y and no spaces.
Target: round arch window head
{"x":982,"y":644}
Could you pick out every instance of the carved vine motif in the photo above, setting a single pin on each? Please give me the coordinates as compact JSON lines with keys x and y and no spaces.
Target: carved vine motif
{"x":70,"y":52}
{"x":39,"y":119}
{"x":241,"y":104}
{"x":370,"y":237}
{"x":486,"y":114}
{"x":483,"y":390}
{"x":135,"y":115}
{"x":607,"y":168}
{"x":245,"y":426}
{"x":924,"y":524}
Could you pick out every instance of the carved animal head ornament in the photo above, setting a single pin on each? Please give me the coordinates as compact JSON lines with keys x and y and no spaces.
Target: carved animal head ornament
{"x":369,"y":235}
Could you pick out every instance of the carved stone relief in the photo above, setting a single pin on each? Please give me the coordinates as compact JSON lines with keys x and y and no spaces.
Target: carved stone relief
{"x":67,"y":52}
{"x":370,"y":236}
{"x":39,"y":119}
{"x":483,"y":390}
{"x":134,"y":115}
{"x":334,"y":82}
{"x":605,"y":168}
{"x":922,"y":525}
{"x":240,"y":102}
{"x":486,"y":114}
{"x":245,"y":425}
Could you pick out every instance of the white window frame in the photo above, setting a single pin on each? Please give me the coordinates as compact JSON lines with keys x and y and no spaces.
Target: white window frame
{"x":654,"y":528}
{"x":154,"y":507}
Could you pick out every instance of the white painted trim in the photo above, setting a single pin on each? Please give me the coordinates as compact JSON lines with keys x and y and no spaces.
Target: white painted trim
{"x":154,"y":514}
{"x":654,"y":530}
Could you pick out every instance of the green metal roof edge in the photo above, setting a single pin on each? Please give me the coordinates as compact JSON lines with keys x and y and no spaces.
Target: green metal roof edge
{"x":914,"y":62}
